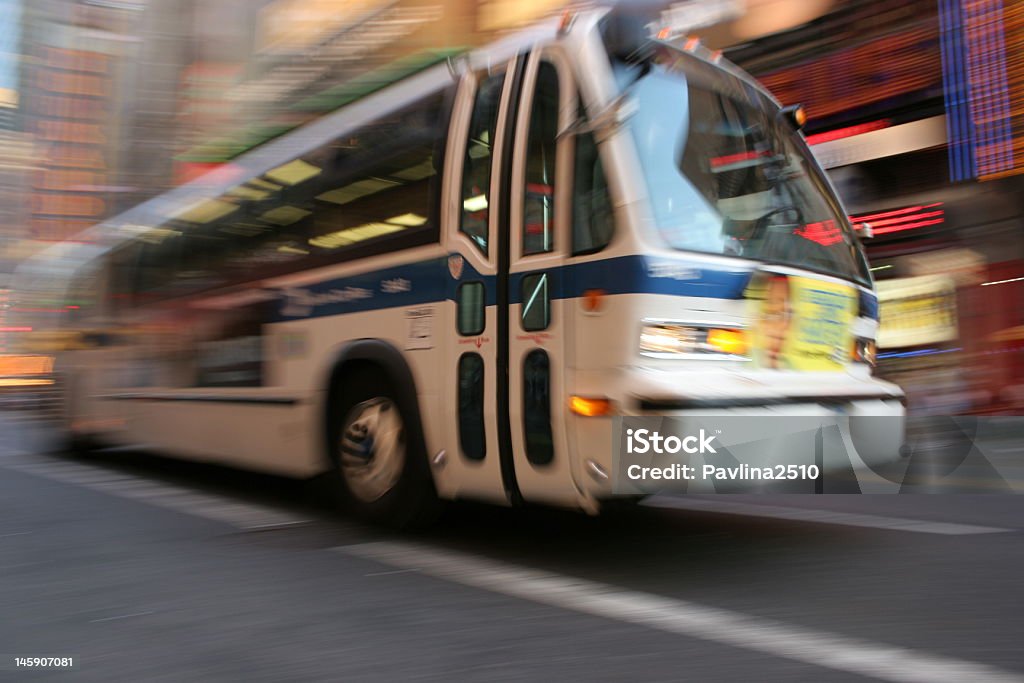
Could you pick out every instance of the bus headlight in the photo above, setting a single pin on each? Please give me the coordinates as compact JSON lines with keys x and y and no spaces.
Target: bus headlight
{"x":661,"y":339}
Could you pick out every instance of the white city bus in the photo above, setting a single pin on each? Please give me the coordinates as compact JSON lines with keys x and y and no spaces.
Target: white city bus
{"x":449,"y":288}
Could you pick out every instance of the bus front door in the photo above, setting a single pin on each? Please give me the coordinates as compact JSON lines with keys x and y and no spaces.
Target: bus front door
{"x":536,"y":245}
{"x":506,"y":226}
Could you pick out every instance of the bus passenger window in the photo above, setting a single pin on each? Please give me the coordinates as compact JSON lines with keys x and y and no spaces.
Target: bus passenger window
{"x":540,"y":447}
{"x":539,"y":198}
{"x":470,"y":308}
{"x":536,"y":302}
{"x":476,"y":170}
{"x":471,"y":406}
{"x":367,"y":191}
{"x":592,"y":219}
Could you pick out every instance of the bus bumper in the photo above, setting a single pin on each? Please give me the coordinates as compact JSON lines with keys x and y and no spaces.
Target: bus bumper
{"x":869,"y":415}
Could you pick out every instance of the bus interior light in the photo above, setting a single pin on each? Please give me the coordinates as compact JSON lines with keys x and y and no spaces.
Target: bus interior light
{"x":293,"y":173}
{"x":409,"y":220}
{"x":474,"y":204}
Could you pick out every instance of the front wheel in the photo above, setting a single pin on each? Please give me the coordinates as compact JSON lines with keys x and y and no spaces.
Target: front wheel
{"x":379,"y":457}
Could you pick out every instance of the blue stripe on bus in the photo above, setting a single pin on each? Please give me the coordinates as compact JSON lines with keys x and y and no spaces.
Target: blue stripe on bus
{"x":429,"y":281}
{"x":639,"y":275}
{"x":411,"y":284}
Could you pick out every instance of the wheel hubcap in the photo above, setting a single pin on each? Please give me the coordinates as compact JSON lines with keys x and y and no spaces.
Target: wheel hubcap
{"x":372,"y":448}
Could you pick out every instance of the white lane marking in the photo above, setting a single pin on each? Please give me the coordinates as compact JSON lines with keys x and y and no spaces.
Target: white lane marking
{"x":120,"y":616}
{"x":819,"y":516}
{"x":16,"y":533}
{"x":819,"y":648}
{"x":396,"y":571}
{"x":247,"y":516}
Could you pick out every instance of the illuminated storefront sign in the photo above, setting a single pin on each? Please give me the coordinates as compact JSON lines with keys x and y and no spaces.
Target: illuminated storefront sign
{"x":908,"y":218}
{"x":68,"y":103}
{"x":897,"y":64}
{"x":875,"y":140}
{"x":916,"y":311}
{"x":977,"y":96}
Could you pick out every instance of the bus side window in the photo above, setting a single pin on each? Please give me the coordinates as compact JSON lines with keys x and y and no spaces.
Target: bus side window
{"x":472,"y":433}
{"x":471,"y":308}
{"x":540,"y":444}
{"x":369,"y":191}
{"x":539,"y":197}
{"x":592,"y":218}
{"x":536,"y":306}
{"x":476,"y":167}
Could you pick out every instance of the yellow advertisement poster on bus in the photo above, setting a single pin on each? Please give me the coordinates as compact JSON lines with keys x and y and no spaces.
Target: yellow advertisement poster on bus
{"x":799,"y":323}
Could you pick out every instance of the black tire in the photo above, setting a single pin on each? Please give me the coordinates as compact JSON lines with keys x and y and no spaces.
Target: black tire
{"x":411,"y":502}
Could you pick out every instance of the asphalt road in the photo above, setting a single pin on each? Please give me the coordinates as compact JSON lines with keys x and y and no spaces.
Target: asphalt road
{"x":143,"y":568}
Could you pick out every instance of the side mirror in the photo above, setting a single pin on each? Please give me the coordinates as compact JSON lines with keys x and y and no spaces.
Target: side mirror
{"x":864,"y":230}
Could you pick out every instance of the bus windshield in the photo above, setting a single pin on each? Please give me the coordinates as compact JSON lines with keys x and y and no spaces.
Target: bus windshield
{"x":726,"y":177}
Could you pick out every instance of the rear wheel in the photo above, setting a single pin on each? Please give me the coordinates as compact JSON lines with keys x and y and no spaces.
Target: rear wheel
{"x":379,"y":457}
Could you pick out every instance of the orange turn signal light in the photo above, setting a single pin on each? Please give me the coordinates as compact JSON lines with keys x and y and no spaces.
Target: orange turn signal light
{"x":801,"y":116}
{"x":733,"y":342}
{"x":590,"y":407}
{"x":593,"y":300}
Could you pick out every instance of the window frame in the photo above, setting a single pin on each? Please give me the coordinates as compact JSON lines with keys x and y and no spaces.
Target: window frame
{"x":564,"y":159}
{"x":494,"y":173}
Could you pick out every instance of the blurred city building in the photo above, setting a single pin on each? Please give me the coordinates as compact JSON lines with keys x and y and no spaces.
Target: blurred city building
{"x":916,"y":108}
